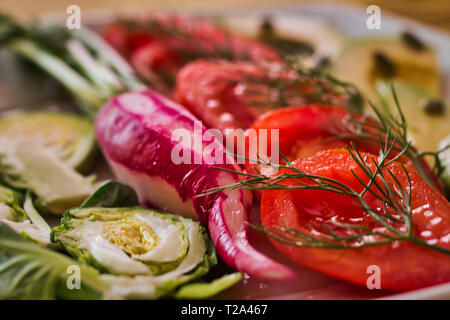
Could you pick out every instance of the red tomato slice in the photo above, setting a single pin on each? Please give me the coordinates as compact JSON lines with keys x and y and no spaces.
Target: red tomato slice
{"x":404,"y":265}
{"x":306,"y":130}
{"x":233,"y":94}
{"x":215,"y":93}
{"x":157,"y":64}
{"x":116,"y":35}
{"x":183,"y":39}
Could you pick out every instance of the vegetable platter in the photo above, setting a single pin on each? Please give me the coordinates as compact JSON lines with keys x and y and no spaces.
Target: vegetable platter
{"x":117,"y":156}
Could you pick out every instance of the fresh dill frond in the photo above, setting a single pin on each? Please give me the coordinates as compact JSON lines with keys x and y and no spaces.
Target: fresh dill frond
{"x":391,"y":224}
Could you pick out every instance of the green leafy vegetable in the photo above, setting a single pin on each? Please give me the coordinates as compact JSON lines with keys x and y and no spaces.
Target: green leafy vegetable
{"x":203,"y":290}
{"x":40,"y":151}
{"x":125,"y":240}
{"x":69,"y":136}
{"x":112,"y":194}
{"x":24,"y":220}
{"x":142,"y":253}
{"x":80,"y":60}
{"x":34,"y":215}
{"x":25,"y":165}
{"x":29,"y":271}
{"x":10,"y":203}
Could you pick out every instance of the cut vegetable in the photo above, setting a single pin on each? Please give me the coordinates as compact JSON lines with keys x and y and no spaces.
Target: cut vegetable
{"x":25,"y":164}
{"x":24,"y":220}
{"x":124,"y":240}
{"x":28,"y":271}
{"x":200,"y":258}
{"x":150,"y":252}
{"x":381,"y":58}
{"x":229,"y":95}
{"x":69,"y":136}
{"x":399,"y":224}
{"x":160,"y":44}
{"x":11,"y":204}
{"x":307,"y":130}
{"x":135,"y":133}
{"x":112,"y":194}
{"x":203,"y":290}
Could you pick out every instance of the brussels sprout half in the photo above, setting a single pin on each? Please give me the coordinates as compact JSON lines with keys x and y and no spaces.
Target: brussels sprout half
{"x":70,"y":136}
{"x":26,"y":220}
{"x":148,"y":253}
{"x":40,"y":151}
{"x":27,"y":165}
{"x":10,"y":201}
{"x":124,"y":240}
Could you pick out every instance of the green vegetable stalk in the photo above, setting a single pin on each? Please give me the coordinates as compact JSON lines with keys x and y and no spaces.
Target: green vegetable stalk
{"x":80,"y":60}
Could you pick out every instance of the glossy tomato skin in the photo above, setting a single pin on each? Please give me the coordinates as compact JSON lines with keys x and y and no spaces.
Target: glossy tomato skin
{"x":215,"y":92}
{"x":404,"y":265}
{"x":300,"y":128}
{"x":157,"y":64}
{"x":116,"y":35}
{"x":303,"y":131}
{"x":233,"y":95}
{"x":170,"y":41}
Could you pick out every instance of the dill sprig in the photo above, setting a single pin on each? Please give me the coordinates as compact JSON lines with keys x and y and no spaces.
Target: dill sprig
{"x":301,"y":87}
{"x":294,"y":86}
{"x":359,"y":129}
{"x":391,"y":224}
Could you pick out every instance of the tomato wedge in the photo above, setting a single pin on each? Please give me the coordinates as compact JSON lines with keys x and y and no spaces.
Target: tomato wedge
{"x":305,"y":130}
{"x":215,"y":91}
{"x":163,"y":43}
{"x":404,"y":264}
{"x":232,"y":95}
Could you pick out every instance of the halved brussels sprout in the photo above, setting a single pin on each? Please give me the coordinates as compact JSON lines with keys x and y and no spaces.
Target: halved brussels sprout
{"x":71,"y":137}
{"x":27,"y":165}
{"x":148,"y":253}
{"x":10,"y":207}
{"x":39,"y":152}
{"x":26,"y":220}
{"x":29,"y":271}
{"x":152,"y":253}
{"x":126,"y":240}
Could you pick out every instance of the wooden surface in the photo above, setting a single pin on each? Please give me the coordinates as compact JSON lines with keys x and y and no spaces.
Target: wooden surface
{"x":434,"y":13}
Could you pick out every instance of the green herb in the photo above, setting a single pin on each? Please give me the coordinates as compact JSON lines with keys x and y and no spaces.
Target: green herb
{"x":295,"y":86}
{"x":112,"y":194}
{"x":382,"y":184}
{"x":334,"y":234}
{"x":373,"y":131}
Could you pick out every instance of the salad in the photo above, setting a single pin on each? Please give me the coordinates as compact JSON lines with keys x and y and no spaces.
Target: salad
{"x":354,"y":172}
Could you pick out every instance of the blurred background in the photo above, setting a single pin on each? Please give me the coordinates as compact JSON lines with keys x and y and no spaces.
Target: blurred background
{"x":435,"y":13}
